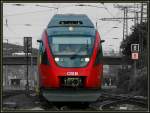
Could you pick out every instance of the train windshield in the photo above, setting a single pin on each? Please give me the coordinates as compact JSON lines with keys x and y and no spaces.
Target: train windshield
{"x":71,"y":49}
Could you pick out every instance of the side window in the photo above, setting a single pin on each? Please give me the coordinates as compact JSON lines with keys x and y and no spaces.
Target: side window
{"x":99,"y":56}
{"x":43,"y":54}
{"x":101,"y":52}
{"x":41,"y":48}
{"x":44,"y":58}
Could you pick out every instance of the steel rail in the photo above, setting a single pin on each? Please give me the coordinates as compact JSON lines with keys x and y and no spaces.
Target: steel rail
{"x":113,"y":99}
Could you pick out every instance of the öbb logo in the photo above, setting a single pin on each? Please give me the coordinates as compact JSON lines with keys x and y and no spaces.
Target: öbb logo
{"x":72,"y":73}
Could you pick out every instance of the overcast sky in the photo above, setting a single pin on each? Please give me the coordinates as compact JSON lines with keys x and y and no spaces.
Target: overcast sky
{"x":30,"y":19}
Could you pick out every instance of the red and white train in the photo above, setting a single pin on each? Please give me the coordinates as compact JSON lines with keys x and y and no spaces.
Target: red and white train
{"x":70,"y":59}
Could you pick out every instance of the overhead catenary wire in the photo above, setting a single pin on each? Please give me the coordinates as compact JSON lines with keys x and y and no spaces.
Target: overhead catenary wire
{"x":60,"y":7}
{"x":26,"y":25}
{"x":108,"y":31}
{"x":33,"y":12}
{"x":117,"y":14}
{"x":106,"y":24}
{"x":108,"y":11}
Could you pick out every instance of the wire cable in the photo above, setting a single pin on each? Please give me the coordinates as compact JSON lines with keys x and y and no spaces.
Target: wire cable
{"x":26,"y":13}
{"x":117,"y":14}
{"x":108,"y":31}
{"x":108,"y":11}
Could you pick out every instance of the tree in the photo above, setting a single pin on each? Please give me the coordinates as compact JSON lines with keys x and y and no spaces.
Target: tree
{"x":139,"y":35}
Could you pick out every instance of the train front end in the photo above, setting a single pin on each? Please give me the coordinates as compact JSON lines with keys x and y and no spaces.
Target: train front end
{"x":70,"y":60}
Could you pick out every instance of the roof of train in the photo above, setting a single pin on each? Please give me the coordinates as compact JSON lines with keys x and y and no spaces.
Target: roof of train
{"x":80,"y":20}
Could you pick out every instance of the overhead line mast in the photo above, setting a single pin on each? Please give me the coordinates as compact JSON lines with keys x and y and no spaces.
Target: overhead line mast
{"x":125,"y":18}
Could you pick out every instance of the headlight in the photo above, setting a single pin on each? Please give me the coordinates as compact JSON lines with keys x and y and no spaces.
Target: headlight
{"x":87,"y":59}
{"x":56,"y":59}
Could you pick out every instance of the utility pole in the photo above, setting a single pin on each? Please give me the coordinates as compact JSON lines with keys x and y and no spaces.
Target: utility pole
{"x":27,"y":49}
{"x":125,"y":20}
{"x":141,"y":12}
{"x":27,"y":86}
{"x":125,"y":23}
{"x":6,"y":73}
{"x":141,"y":36}
{"x":137,"y":16}
{"x":33,"y":78}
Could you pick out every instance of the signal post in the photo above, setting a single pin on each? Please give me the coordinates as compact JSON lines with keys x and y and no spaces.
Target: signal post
{"x":27,"y":49}
{"x":135,"y":55}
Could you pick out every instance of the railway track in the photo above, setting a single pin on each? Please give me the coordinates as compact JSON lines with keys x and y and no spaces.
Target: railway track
{"x":107,"y":101}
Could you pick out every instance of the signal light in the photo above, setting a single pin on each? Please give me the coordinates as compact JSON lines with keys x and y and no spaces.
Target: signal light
{"x":27,"y":44}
